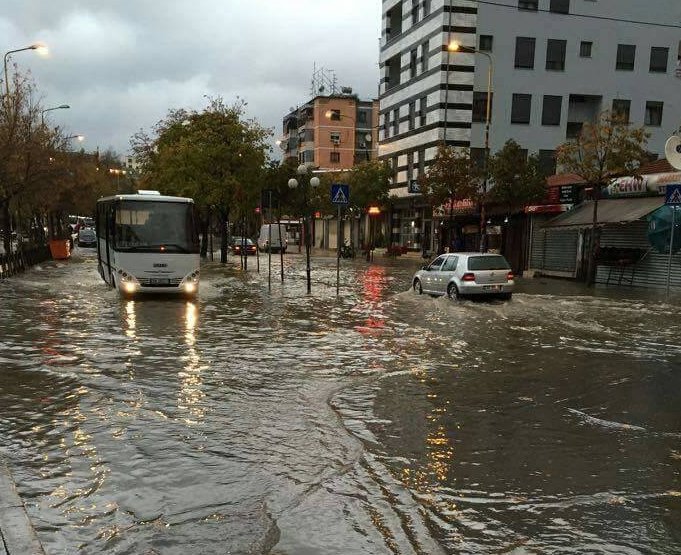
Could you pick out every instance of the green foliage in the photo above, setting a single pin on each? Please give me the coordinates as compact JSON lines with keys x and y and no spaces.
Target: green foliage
{"x":451,"y":177}
{"x":517,"y":178}
{"x":605,"y":149}
{"x":214,"y":156}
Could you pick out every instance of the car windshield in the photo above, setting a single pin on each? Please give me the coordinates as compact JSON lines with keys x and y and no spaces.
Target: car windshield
{"x":241,"y":241}
{"x":488,"y":263}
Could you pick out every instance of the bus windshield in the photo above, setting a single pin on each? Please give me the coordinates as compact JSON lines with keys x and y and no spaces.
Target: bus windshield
{"x":148,"y":225}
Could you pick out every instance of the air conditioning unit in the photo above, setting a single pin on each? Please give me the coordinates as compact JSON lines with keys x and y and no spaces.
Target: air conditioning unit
{"x":362,"y":145}
{"x":335,"y":140}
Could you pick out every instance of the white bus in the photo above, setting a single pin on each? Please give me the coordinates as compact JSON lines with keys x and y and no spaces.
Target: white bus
{"x":148,"y":243}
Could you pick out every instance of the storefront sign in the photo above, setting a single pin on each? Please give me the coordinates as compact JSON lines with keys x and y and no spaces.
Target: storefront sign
{"x":628,"y":186}
{"x":567,"y":194}
{"x":547,"y":208}
{"x":658,"y":182}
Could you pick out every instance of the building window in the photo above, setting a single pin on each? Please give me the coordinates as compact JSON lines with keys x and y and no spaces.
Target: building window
{"x":585,"y":49}
{"x":530,"y":5}
{"x":620,"y":108}
{"x":410,"y":166}
{"x":486,"y":42}
{"x":626,"y":55}
{"x":422,"y":162}
{"x":422,"y":110}
{"x":412,"y":115}
{"x":658,"y":59}
{"x":334,"y":157}
{"x":551,"y":110}
{"x":478,"y":158}
{"x":524,"y":52}
{"x":480,"y":107}
{"x":362,"y":116}
{"x":426,"y":8}
{"x":653,"y":113}
{"x":392,"y":72}
{"x":395,"y":168}
{"x":560,"y":6}
{"x":335,"y":115}
{"x":335,"y":137}
{"x":425,"y":54}
{"x":386,"y":124}
{"x":555,"y":54}
{"x":413,"y":57}
{"x":521,"y":108}
{"x":396,"y":121}
{"x":547,"y":162}
{"x":415,"y":12}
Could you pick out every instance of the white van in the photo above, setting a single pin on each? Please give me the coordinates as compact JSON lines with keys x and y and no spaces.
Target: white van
{"x":272,"y":237}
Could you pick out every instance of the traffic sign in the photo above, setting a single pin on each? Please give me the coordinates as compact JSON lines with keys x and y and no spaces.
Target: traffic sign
{"x":673,"y":195}
{"x":414,"y":186}
{"x":340,"y":193}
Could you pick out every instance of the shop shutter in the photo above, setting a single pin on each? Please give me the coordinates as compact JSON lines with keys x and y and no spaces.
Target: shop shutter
{"x":651,"y":271}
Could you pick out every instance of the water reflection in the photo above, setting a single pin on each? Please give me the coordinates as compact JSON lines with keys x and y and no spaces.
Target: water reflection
{"x":191,"y":396}
{"x":130,"y":319}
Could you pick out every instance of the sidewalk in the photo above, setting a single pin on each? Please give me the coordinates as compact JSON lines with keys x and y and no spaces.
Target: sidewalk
{"x":17,"y":536}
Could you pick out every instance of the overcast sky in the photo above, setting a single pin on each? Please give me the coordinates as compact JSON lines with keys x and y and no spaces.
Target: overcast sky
{"x":121,"y":64}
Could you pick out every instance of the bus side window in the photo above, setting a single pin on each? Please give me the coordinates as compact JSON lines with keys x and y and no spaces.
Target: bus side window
{"x":112,"y":224}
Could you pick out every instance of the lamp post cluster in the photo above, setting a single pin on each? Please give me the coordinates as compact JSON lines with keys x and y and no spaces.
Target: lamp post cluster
{"x":455,"y":46}
{"x":302,"y":171}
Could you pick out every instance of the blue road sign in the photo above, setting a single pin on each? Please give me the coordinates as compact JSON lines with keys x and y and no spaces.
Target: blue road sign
{"x":414,"y":186}
{"x":340,"y":193}
{"x":673,"y":195}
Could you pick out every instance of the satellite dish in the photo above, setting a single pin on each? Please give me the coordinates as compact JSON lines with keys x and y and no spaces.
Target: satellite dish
{"x":672,"y":151}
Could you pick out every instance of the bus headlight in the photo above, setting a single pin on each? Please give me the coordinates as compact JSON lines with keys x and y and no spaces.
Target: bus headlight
{"x":190,"y":287}
{"x":129,"y":287}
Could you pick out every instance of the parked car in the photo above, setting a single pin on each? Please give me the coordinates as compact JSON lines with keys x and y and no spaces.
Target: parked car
{"x":87,"y":237}
{"x":462,"y":274}
{"x":247,"y":244}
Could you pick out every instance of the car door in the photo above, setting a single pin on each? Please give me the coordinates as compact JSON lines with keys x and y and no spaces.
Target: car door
{"x":432,"y":275}
{"x":447,"y":272}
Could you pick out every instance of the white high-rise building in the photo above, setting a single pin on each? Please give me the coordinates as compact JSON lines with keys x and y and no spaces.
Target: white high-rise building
{"x":557,"y":64}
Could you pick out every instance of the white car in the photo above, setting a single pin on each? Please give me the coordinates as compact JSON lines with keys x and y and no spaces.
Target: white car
{"x":461,"y":274}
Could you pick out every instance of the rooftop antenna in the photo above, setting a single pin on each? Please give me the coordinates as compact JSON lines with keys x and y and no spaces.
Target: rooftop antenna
{"x":324,"y":81}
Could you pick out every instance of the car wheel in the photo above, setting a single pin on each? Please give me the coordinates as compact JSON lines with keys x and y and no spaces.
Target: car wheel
{"x":417,"y":286}
{"x":453,"y":291}
{"x":506,"y":296}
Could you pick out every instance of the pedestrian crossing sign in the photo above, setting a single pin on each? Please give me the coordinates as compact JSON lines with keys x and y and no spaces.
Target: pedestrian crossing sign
{"x":340,"y":193}
{"x":673,"y":196}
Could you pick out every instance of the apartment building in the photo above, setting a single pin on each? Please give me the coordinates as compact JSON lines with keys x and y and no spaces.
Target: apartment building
{"x":556,"y":64}
{"x":331,"y":132}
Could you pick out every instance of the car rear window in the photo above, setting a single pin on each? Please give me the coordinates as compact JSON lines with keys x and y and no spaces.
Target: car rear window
{"x":488,"y":263}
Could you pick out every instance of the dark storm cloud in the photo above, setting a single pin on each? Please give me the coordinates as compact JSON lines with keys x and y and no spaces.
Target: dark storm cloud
{"x":121,"y":65}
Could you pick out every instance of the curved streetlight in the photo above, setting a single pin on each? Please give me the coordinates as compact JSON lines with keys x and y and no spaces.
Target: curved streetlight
{"x":455,"y":46}
{"x":79,"y":138}
{"x":302,"y":171}
{"x":42,"y":112}
{"x":39,"y":47}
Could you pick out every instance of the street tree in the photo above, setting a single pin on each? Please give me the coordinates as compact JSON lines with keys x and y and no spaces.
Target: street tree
{"x":517,"y":178}
{"x":605,"y":149}
{"x":216,"y":156}
{"x":36,"y":169}
{"x":453,"y":176}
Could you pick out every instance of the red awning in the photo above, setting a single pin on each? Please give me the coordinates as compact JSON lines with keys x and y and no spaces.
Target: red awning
{"x":547,"y":208}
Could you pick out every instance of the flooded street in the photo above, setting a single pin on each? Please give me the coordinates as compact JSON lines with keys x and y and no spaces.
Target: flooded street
{"x":269,"y":421}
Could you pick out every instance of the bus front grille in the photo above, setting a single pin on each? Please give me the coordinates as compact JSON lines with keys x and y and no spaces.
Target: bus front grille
{"x":159,"y":282}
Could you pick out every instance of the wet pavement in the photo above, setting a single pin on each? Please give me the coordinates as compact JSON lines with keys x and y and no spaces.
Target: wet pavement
{"x":259,"y":420}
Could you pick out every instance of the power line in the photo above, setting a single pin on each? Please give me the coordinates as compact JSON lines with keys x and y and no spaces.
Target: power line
{"x":585,"y":16}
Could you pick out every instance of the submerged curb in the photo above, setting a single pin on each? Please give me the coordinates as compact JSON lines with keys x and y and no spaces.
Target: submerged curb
{"x":17,"y":536}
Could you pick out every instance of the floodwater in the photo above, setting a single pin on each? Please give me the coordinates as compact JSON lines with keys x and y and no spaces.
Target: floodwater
{"x":263,"y":420}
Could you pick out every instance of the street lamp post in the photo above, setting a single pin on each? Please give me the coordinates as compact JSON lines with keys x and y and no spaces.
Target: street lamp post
{"x":41,"y":48}
{"x":313,"y":183}
{"x":457,"y":47}
{"x":42,"y":112}
{"x":117,"y":172}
